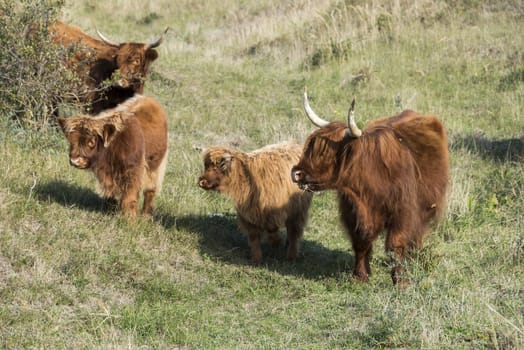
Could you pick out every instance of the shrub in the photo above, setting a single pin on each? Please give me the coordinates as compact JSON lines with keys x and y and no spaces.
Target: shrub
{"x":32,"y":78}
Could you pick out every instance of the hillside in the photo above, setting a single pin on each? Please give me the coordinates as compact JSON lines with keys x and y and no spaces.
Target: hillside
{"x":232,"y":73}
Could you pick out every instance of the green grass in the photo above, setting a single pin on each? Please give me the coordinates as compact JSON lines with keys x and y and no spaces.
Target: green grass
{"x":232,"y":73}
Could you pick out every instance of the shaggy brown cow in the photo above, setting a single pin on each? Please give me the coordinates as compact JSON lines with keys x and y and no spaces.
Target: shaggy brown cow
{"x":125,"y":147}
{"x":265,"y":197}
{"x":97,"y":60}
{"x":392,"y":176}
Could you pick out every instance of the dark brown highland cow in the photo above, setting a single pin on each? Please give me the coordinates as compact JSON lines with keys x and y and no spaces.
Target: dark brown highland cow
{"x":393,"y":176}
{"x":265,"y":197}
{"x":125,"y":147}
{"x":97,"y":60}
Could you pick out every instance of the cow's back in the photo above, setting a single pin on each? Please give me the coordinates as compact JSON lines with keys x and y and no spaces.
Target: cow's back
{"x":426,"y":138}
{"x":271,"y":168}
{"x":66,"y":35}
{"x":87,"y":51}
{"x":153,"y":121}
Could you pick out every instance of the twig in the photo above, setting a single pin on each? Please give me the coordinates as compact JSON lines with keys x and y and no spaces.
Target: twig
{"x":504,"y":318}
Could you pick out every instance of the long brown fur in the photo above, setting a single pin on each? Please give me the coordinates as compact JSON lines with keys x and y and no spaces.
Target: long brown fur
{"x":125,"y":147}
{"x":95,"y":61}
{"x":394,"y":178}
{"x":265,"y":197}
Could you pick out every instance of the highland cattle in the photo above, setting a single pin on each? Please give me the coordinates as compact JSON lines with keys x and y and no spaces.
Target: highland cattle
{"x":125,"y":147}
{"x":265,"y":198}
{"x":109,"y":72}
{"x":391,"y":176}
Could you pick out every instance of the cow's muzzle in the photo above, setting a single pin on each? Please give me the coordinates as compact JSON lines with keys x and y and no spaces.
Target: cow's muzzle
{"x":123,"y":83}
{"x":131,"y":82}
{"x":297,"y":175}
{"x":300,"y":177}
{"x":206,"y":184}
{"x":202,"y":182}
{"x":79,"y":162}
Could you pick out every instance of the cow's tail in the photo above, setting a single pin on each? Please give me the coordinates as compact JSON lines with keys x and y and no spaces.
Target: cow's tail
{"x":152,"y":179}
{"x":161,"y":173}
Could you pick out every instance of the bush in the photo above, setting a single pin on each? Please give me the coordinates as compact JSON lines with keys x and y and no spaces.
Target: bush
{"x":32,"y":78}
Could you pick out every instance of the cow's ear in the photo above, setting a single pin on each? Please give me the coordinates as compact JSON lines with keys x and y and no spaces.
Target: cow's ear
{"x":62,"y":124}
{"x":151,"y":55}
{"x":225,"y":162}
{"x":348,"y":134}
{"x":108,"y":134}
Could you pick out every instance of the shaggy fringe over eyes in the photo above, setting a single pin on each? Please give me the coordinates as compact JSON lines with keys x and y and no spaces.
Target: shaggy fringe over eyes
{"x":96,"y":125}
{"x":116,"y":117}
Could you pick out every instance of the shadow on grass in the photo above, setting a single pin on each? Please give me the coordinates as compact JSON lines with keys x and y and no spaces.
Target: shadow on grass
{"x":220,"y":238}
{"x":70,"y":195}
{"x":505,"y":150}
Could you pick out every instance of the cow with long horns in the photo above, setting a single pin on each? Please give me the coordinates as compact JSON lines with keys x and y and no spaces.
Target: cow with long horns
{"x":391,"y":176}
{"x":96,"y":61}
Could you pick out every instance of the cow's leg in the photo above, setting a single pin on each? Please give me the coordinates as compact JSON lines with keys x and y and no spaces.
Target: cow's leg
{"x":397,"y":244}
{"x":254,"y":236}
{"x":417,"y":234}
{"x":130,"y":197}
{"x":295,"y":230}
{"x":130,"y":203}
{"x":256,"y":250}
{"x":359,"y":225}
{"x":153,"y":184}
{"x":274,"y":238}
{"x":362,"y":246}
{"x":147,"y":208}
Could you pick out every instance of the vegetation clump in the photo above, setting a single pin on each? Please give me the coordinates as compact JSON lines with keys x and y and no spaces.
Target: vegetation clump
{"x":33,"y":79}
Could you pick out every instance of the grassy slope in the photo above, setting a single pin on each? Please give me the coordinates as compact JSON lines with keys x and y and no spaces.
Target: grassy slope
{"x":74,"y":276}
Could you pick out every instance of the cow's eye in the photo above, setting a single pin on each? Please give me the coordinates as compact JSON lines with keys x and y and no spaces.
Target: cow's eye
{"x":91,"y":143}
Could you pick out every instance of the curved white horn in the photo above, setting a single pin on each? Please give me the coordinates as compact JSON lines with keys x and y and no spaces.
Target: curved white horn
{"x":312,"y":115}
{"x":355,"y":131}
{"x":157,"y":41}
{"x":106,"y":40}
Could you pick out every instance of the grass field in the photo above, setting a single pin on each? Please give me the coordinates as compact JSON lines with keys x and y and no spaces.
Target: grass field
{"x":232,"y":73}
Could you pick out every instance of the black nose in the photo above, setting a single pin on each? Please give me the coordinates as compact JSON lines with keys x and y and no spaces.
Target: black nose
{"x":296,"y":174}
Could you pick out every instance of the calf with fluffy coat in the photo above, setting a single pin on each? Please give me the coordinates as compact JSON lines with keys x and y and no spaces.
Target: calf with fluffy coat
{"x":125,"y":147}
{"x":265,"y":197}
